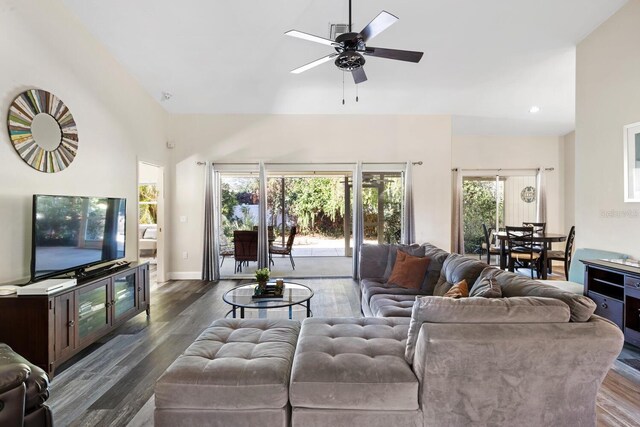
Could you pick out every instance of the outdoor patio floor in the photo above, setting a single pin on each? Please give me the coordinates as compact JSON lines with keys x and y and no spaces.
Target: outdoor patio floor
{"x":310,"y":262}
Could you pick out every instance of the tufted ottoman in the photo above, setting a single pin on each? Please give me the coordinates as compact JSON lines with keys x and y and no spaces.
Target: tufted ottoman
{"x":236,"y":373}
{"x":350,"y":372}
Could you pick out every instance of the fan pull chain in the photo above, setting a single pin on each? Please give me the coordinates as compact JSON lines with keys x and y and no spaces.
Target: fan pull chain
{"x":343,"y":88}
{"x":356,"y":93}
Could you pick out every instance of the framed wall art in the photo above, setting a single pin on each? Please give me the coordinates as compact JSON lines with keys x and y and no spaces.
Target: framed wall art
{"x":42,"y":131}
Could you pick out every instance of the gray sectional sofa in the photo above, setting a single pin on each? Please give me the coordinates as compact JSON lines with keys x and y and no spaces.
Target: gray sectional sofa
{"x":535,"y":356}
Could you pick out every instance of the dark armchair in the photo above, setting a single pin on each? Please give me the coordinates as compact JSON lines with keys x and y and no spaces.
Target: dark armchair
{"x":245,"y":245}
{"x":23,"y":390}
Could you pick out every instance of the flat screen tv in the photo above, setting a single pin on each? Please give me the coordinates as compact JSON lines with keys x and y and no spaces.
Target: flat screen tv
{"x":72,"y":232}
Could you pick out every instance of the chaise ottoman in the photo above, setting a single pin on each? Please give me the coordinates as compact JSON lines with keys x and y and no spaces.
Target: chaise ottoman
{"x":236,"y":373}
{"x":349,"y":372}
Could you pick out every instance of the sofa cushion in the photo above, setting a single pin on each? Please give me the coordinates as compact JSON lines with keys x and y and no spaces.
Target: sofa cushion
{"x":389,"y":305}
{"x":408,"y":271}
{"x":485,"y":286}
{"x":456,"y":268}
{"x":437,"y":258}
{"x":233,"y":364}
{"x":572,"y":287}
{"x":356,"y":364}
{"x":370,"y":288}
{"x":413,"y":250}
{"x":514,"y":285}
{"x":373,"y":261}
{"x":482,"y":310}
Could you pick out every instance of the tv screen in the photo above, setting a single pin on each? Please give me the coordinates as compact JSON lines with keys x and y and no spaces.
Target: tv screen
{"x":71,"y":232}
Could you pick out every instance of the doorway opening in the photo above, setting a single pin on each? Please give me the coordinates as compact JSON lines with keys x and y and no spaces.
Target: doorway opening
{"x":151,"y":218}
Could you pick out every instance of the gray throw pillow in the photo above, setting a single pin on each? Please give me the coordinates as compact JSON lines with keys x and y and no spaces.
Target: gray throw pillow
{"x":413,"y":250}
{"x":455,"y":269}
{"x":485,"y":286}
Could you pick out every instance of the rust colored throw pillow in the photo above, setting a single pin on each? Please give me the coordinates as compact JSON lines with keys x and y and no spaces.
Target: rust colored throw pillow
{"x":408,"y":271}
{"x":459,"y":290}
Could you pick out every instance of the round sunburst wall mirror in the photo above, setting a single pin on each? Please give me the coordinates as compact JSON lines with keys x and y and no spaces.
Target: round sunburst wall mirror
{"x":42,"y":131}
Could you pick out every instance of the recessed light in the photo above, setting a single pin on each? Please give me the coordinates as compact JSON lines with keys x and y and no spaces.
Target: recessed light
{"x":534,"y":109}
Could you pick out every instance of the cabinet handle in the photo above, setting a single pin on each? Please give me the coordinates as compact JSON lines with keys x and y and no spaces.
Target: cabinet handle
{"x":71,"y":323}
{"x":139,"y":288}
{"x":604,"y":305}
{"x":637,"y":285}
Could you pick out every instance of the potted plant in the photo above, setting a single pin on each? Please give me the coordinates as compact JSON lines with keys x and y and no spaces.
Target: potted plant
{"x":262,"y":276}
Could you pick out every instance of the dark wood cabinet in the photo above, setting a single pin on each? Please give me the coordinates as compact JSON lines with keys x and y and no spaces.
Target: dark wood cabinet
{"x":49,"y":329}
{"x":615,"y":288}
{"x":64,"y":325}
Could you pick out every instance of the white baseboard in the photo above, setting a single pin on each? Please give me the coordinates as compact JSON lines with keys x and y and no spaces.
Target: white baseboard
{"x":184,"y":275}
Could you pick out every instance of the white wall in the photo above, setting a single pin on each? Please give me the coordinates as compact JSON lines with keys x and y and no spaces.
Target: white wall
{"x":147,"y":174}
{"x":569,"y":185}
{"x":607,"y":98}
{"x":44,"y":47}
{"x":313,"y":139}
{"x":518,"y":152}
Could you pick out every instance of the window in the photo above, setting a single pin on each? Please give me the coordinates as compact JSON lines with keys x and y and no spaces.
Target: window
{"x":148,"y":200}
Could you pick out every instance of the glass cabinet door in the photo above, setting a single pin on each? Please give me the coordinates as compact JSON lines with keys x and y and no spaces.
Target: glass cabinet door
{"x":124,"y":294}
{"x":92,"y":305}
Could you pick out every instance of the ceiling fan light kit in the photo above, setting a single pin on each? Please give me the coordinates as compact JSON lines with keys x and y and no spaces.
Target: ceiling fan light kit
{"x":350,"y":47}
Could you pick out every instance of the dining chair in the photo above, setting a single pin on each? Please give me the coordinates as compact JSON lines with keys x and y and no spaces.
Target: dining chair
{"x":284,"y":250}
{"x":566,"y":255}
{"x":521,"y":249}
{"x":488,"y":245}
{"x":245,"y":244}
{"x":538,"y":227}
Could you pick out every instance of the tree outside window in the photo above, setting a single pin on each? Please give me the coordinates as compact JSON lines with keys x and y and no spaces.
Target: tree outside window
{"x":148,"y":200}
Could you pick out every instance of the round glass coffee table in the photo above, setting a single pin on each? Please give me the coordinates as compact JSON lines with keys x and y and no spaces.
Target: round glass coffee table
{"x":293,"y":294}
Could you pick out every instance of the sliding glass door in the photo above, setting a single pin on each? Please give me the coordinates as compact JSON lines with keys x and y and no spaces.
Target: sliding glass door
{"x":495,"y":201}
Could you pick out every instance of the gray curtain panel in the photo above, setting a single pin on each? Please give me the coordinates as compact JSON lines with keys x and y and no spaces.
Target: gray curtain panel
{"x":211,"y":249}
{"x":541,"y":196}
{"x":408,"y":225}
{"x":263,"y":236}
{"x":358,"y":228}
{"x":457,"y":222}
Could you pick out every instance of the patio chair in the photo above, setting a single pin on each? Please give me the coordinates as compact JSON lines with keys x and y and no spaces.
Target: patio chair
{"x":245,"y":244}
{"x":564,"y":256}
{"x":226,"y":249}
{"x":286,"y":250}
{"x":521,"y":250}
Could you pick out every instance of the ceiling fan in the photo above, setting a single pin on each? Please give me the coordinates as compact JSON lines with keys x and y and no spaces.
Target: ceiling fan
{"x":350,"y":47}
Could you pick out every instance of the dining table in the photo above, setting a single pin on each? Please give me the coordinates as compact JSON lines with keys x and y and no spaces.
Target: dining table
{"x":544,"y":239}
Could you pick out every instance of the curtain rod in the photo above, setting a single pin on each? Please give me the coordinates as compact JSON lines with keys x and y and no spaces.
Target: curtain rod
{"x":502,"y":169}
{"x":418,"y":163}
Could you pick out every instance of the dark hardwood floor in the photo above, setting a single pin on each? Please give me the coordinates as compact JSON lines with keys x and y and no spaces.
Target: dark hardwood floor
{"x":111,"y":383}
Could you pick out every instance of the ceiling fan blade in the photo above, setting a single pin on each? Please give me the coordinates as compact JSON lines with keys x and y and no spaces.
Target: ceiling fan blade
{"x":400,"y":55}
{"x":380,"y":23}
{"x":311,"y":38}
{"x":314,"y":63}
{"x":359,"y":75}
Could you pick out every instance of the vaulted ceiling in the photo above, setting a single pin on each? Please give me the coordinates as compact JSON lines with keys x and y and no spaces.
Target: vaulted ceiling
{"x":486,"y":62}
